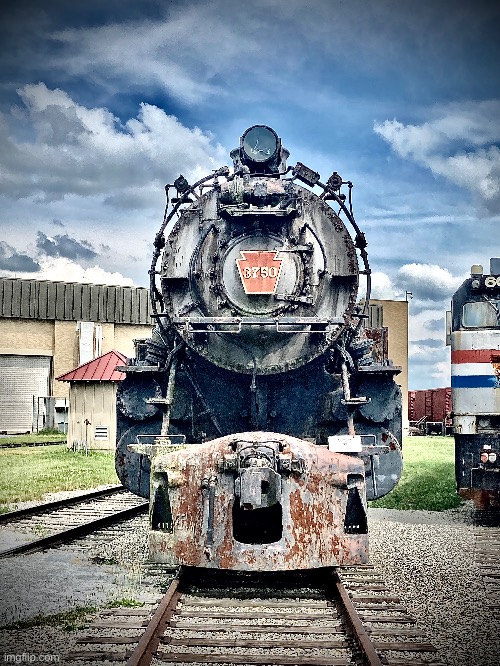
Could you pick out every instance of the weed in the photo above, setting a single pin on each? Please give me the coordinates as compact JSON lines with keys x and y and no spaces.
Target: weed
{"x":125,"y":603}
{"x":39,"y":529}
{"x":76,"y":618}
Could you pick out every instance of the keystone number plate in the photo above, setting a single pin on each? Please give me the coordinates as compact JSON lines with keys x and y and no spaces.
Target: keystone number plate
{"x":259,"y":271}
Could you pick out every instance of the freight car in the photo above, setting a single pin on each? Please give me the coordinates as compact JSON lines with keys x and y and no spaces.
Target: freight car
{"x":473,"y":331}
{"x":429,"y":411}
{"x":256,"y":418}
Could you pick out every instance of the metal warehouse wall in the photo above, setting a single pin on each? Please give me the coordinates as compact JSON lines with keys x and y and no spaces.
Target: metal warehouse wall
{"x":38,"y":319}
{"x":73,"y":301}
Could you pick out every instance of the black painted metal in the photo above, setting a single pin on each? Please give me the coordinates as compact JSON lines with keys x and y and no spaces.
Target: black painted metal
{"x":246,"y":362}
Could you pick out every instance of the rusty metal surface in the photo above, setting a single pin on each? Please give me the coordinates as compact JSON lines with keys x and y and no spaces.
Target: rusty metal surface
{"x":380,"y":338}
{"x":311,"y":510}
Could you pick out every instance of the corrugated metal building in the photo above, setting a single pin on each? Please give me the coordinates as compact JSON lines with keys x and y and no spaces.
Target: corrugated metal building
{"x":46,"y":329}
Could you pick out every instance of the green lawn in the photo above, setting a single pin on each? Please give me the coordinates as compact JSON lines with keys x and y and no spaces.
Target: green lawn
{"x":33,"y":438}
{"x":27,"y":473}
{"x":428,"y":480}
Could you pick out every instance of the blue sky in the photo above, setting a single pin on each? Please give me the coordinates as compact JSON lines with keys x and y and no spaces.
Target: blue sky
{"x":102,"y":104}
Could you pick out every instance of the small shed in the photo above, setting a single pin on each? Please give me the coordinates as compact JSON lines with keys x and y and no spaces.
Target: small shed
{"x":92,"y":401}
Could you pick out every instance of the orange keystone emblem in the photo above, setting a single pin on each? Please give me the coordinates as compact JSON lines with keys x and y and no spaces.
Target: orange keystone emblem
{"x":259,"y":271}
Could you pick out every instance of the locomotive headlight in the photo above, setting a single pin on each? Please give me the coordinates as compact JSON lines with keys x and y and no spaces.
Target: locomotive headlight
{"x":259,"y":143}
{"x":484,"y":457}
{"x":492,"y":457}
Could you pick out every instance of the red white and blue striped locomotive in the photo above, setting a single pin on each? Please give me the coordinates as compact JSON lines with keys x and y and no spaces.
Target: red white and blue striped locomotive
{"x":474,"y":335}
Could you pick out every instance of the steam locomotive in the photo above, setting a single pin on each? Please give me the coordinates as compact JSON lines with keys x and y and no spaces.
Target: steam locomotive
{"x":474,"y":335}
{"x":258,"y":418}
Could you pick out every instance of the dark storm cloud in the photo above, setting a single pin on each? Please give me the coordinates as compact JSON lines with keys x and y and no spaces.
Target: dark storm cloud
{"x":10,"y":260}
{"x":64,"y":246}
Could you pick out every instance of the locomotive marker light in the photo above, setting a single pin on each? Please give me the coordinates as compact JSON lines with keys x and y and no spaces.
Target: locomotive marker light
{"x":259,"y":271}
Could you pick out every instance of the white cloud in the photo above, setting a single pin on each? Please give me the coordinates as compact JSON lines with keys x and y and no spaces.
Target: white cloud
{"x":424,"y":326}
{"x":182,"y":54}
{"x":82,"y":151}
{"x":459,"y":144}
{"x":383,"y":288}
{"x":442,"y":373}
{"x":60,"y":269}
{"x":428,"y":282}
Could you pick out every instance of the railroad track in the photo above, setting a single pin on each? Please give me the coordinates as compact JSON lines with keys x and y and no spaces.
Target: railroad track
{"x":319,"y":618}
{"x":19,"y":445}
{"x":54,"y":523}
{"x":487,"y":556}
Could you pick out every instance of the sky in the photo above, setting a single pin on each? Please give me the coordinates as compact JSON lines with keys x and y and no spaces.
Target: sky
{"x":103,"y":103}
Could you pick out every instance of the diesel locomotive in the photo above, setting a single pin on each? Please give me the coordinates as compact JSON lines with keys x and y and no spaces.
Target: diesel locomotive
{"x":473,"y":331}
{"x":258,"y":418}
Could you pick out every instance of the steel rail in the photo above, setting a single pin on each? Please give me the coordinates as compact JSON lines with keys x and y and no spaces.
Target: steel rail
{"x":343,"y":632}
{"x":56,"y":504}
{"x":362,"y":638}
{"x":64,"y":536}
{"x":17,"y":445}
{"x":150,"y":639}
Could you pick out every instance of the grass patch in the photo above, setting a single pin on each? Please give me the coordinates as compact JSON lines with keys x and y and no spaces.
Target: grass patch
{"x":71,"y":620}
{"x":34,"y":438}
{"x":428,"y":480}
{"x":28,"y":473}
{"x":126,"y":602}
{"x":76,"y":618}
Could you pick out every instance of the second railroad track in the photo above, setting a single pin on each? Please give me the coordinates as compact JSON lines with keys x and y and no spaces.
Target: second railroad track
{"x":53,"y":523}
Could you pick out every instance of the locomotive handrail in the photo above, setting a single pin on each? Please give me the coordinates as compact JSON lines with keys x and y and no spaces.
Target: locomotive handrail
{"x":217,"y":324}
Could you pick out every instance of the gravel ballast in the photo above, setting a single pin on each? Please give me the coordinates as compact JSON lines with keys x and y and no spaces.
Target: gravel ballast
{"x":426,"y":558}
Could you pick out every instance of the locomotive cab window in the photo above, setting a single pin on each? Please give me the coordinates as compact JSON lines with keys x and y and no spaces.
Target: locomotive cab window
{"x":482,"y":313}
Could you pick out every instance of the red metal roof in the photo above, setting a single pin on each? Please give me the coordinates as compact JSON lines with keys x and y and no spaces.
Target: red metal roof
{"x":101,"y":369}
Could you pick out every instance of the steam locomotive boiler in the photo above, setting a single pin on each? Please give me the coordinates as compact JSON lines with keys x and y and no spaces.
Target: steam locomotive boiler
{"x":256,"y":418}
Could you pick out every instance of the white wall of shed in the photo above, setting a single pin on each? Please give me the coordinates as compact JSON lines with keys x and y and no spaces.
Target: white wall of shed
{"x":95,"y":402}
